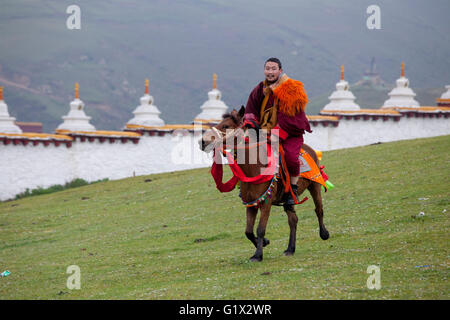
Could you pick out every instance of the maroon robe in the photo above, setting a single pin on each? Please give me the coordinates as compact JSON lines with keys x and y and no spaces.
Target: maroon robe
{"x":294,"y":126}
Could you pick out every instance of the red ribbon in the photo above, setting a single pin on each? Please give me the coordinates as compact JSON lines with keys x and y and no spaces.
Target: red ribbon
{"x":217,"y":174}
{"x":238,"y":174}
{"x":325,"y":177}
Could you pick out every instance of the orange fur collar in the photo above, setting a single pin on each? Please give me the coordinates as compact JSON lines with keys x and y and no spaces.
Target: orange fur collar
{"x":290,"y":94}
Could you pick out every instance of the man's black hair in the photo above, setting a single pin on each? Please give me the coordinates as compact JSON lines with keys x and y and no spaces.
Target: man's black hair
{"x":276,"y":60}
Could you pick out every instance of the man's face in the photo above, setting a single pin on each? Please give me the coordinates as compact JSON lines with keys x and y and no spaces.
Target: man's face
{"x":272,"y":71}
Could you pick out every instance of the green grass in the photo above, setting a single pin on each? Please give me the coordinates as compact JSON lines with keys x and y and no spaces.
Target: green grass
{"x":177,"y":237}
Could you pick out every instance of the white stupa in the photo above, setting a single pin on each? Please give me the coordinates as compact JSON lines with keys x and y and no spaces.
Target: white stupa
{"x":214,"y":108}
{"x":7,"y":124}
{"x":446,"y":95}
{"x":147,"y":114}
{"x":401,"y":96}
{"x":76,"y":119}
{"x":444,"y":100}
{"x":342,"y":99}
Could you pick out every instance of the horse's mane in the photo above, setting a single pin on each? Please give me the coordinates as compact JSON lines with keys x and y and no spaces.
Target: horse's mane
{"x":232,"y":116}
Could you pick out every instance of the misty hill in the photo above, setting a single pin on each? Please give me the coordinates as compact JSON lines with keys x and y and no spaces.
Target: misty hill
{"x":179,"y":44}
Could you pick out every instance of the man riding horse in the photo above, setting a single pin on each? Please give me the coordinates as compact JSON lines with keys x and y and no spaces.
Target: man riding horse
{"x":279,"y":102}
{"x":278,"y":106}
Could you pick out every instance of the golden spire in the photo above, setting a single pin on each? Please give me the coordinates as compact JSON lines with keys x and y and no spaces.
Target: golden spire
{"x":1,"y":93}
{"x":146,"y":86}
{"x":403,"y":69}
{"x":77,"y":95}
{"x":342,"y":72}
{"x":214,"y":81}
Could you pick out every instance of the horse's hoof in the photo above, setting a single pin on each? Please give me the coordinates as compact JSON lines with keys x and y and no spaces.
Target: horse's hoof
{"x":288,"y":253}
{"x":324,"y":234}
{"x":255,"y":259}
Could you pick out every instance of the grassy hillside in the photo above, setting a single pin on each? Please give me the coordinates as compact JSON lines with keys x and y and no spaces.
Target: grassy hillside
{"x":174,"y":236}
{"x":179,"y":44}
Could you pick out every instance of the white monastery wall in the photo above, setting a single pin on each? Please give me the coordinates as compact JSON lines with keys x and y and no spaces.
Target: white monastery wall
{"x":29,"y":166}
{"x":29,"y":161}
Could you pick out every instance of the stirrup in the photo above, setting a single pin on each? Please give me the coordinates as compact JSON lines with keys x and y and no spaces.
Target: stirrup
{"x":290,"y":200}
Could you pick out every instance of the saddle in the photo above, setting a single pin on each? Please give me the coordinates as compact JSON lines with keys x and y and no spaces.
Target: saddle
{"x":308,"y":167}
{"x":308,"y":170}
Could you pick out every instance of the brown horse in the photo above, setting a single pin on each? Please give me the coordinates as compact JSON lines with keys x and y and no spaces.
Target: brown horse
{"x":250,"y":192}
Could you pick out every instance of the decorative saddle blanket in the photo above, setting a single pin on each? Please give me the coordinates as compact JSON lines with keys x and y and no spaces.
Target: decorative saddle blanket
{"x":309,"y":169}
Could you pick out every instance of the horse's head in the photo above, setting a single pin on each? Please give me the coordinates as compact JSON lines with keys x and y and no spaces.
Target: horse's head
{"x":220,"y":132}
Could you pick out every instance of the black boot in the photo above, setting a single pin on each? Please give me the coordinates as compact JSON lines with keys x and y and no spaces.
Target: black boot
{"x":290,"y":200}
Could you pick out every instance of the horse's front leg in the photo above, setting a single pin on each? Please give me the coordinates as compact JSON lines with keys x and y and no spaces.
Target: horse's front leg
{"x":251,"y":217}
{"x":261,"y":231}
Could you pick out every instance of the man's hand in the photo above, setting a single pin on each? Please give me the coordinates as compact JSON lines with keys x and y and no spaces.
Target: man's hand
{"x":280,"y":133}
{"x":251,"y":124}
{"x":250,"y":121}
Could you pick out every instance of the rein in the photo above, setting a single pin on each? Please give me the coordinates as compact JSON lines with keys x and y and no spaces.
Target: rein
{"x":251,"y":145}
{"x":238,"y":175}
{"x":266,"y":175}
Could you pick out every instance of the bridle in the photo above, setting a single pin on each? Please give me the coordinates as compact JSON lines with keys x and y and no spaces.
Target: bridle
{"x":241,"y":144}
{"x":225,"y":136}
{"x":238,"y":174}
